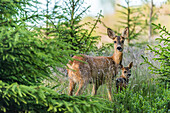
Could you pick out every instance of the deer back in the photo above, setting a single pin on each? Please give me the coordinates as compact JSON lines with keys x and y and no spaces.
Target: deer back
{"x":91,"y":67}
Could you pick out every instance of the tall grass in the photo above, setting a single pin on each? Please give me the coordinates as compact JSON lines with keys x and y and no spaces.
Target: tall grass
{"x":143,"y":93}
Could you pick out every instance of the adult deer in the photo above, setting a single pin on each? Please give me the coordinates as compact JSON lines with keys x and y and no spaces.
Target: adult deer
{"x":123,"y":80}
{"x":97,"y":70}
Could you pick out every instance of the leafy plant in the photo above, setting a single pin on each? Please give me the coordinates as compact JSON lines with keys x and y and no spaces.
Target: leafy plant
{"x":156,"y":100}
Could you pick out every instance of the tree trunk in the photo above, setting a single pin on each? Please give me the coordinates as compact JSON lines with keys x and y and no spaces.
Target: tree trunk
{"x":150,"y":21}
{"x":47,"y":19}
{"x":128,"y":21}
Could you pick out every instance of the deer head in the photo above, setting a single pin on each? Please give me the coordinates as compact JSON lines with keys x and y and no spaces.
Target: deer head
{"x":126,"y":72}
{"x":118,"y":40}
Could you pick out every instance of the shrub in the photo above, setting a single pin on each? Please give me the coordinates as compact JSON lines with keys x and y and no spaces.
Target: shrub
{"x":22,"y":98}
{"x":27,"y":59}
{"x":162,"y":55}
{"x":156,"y":99}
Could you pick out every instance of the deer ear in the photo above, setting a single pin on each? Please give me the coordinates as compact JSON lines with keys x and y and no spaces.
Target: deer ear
{"x":125,"y":32}
{"x":130,"y":65}
{"x":110,"y":33}
{"x":121,"y":66}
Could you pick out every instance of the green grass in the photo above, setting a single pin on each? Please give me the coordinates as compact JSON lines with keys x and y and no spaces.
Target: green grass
{"x":140,"y":73}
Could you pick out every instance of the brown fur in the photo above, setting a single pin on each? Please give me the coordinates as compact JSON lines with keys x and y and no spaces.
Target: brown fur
{"x":96,"y":70}
{"x":123,"y":80}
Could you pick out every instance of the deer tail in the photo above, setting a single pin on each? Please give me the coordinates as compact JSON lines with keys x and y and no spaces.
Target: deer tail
{"x":70,"y":62}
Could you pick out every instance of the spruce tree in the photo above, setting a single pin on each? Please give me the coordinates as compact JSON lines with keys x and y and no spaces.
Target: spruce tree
{"x":65,"y":22}
{"x":131,"y":18}
{"x":27,"y":58}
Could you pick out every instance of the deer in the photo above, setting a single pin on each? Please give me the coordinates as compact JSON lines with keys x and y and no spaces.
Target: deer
{"x":123,"y":80}
{"x":97,"y":70}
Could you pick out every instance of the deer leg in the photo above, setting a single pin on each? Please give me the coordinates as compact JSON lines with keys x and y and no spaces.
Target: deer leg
{"x":71,"y":87}
{"x":94,"y":90}
{"x":121,"y":89}
{"x":81,"y":85}
{"x":117,"y":89}
{"x":109,"y":93}
{"x":109,"y":89}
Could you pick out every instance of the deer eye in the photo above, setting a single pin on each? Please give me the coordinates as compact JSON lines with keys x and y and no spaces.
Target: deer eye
{"x":114,"y":41}
{"x":124,"y":71}
{"x":122,"y":41}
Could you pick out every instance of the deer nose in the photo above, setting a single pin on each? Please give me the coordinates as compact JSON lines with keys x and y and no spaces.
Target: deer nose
{"x":129,"y":75}
{"x":119,"y":48}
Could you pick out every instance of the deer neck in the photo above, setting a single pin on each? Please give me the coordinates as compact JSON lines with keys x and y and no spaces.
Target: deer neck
{"x":122,"y":76}
{"x":117,"y":57}
{"x":125,"y":78}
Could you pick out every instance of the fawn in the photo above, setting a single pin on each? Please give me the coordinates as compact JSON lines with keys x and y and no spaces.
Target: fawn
{"x":96,"y":70}
{"x":123,"y":80}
